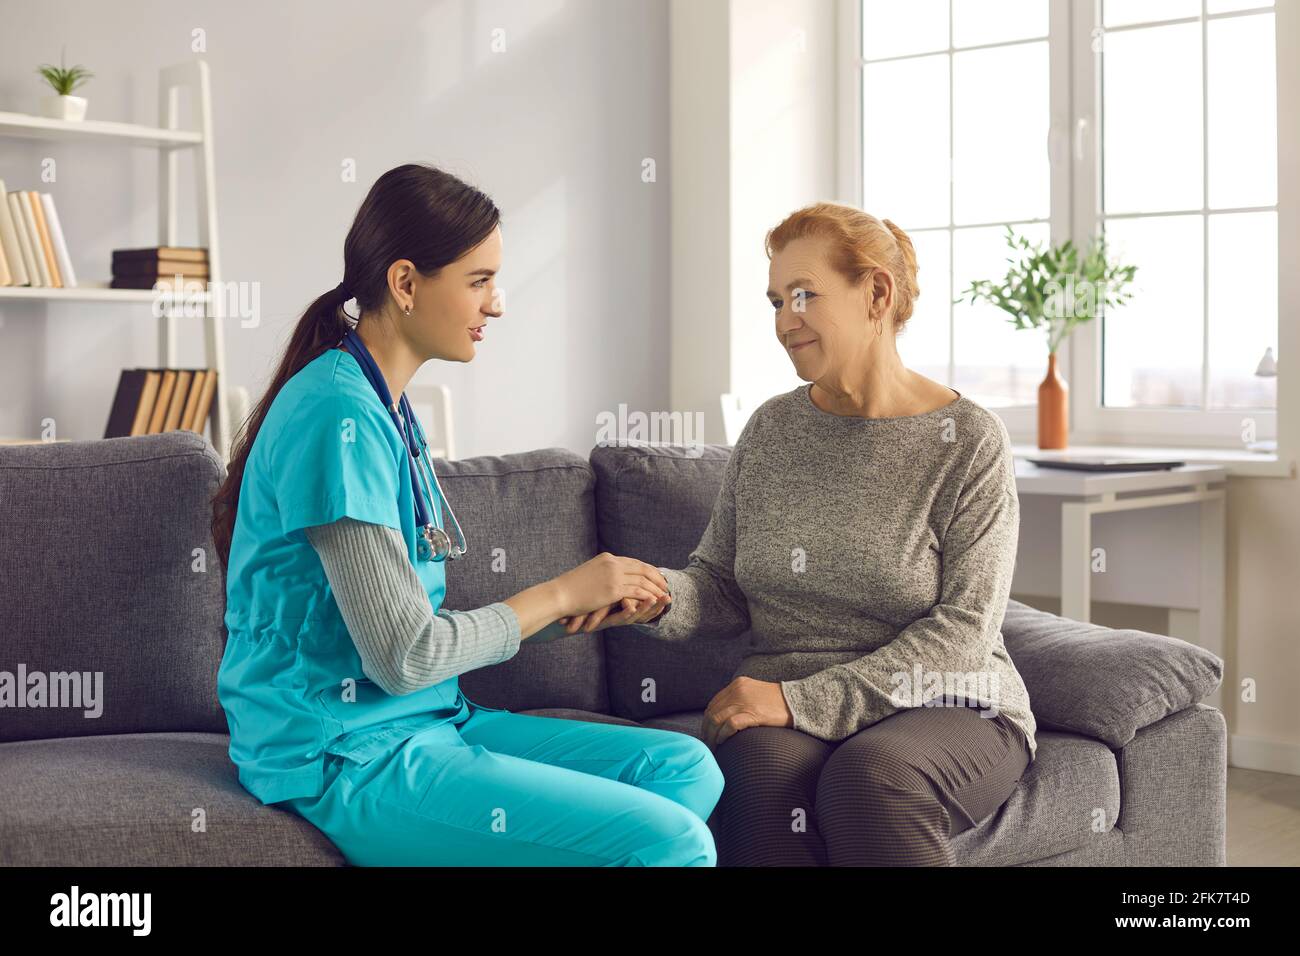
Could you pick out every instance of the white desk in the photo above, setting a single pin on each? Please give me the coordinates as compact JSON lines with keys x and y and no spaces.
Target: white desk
{"x":1173,"y":559}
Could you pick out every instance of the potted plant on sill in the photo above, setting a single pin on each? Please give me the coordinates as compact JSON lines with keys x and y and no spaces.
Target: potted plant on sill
{"x":64,"y":80}
{"x":1054,"y":289}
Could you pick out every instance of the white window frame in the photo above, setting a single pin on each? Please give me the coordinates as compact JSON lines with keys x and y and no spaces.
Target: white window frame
{"x":1075,"y":170}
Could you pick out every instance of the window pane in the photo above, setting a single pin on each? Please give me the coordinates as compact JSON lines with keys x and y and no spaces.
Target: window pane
{"x":996,"y":363}
{"x":893,"y":28}
{"x":1000,"y":164}
{"x":1242,"y":82}
{"x":1119,"y":12}
{"x":997,"y":21}
{"x":1152,"y":345}
{"x":1152,"y":117}
{"x":905,"y":140}
{"x":1224,"y":6}
{"x":1243,"y":308}
{"x":923,"y":345}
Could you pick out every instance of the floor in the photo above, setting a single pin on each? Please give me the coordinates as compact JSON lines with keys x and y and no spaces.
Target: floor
{"x":1263,"y":818}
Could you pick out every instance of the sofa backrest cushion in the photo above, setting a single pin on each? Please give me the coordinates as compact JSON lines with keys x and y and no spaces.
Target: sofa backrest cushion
{"x":1103,"y":682}
{"x":527,"y":518}
{"x":653,"y":503}
{"x":112,"y":597}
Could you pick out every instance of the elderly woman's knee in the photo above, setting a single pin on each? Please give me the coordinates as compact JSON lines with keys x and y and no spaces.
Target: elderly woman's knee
{"x":867,"y":768}
{"x":770,"y":752}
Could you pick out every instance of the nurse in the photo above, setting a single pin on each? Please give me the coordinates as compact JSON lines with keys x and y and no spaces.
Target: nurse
{"x":340,"y":673}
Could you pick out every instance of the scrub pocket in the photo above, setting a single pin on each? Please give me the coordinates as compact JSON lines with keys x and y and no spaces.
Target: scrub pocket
{"x":374,"y":709}
{"x":490,"y":710}
{"x":362,"y":746}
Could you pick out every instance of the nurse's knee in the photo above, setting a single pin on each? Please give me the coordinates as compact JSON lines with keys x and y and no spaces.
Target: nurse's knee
{"x":705,"y":765}
{"x":689,"y":757}
{"x":697,"y":846}
{"x":688,"y":843}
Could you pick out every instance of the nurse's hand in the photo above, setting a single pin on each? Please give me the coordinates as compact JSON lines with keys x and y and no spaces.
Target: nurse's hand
{"x":605,"y":580}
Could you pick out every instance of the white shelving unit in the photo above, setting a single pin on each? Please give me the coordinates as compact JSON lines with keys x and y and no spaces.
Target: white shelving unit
{"x":185,"y":78}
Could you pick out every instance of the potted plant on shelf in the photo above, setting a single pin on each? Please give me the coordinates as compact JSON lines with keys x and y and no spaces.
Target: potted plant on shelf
{"x":64,"y":80}
{"x":1054,"y":289}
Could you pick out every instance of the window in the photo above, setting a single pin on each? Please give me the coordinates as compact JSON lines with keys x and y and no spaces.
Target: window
{"x":937,"y":78}
{"x":1154,"y":121}
{"x":1189,"y":191}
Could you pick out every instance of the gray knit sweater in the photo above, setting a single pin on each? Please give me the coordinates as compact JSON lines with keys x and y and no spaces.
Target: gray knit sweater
{"x":871,"y":558}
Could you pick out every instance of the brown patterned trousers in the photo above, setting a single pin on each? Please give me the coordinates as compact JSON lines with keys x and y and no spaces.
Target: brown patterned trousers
{"x":893,"y":794}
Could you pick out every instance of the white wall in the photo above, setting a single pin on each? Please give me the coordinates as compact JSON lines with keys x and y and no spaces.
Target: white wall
{"x":782,"y":158}
{"x":554,"y":128}
{"x":753,"y":107}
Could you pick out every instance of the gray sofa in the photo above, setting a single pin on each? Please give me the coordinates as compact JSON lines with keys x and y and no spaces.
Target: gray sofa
{"x":107,"y":566}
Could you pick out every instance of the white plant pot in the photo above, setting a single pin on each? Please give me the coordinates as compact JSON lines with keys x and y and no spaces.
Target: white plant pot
{"x":65,"y":107}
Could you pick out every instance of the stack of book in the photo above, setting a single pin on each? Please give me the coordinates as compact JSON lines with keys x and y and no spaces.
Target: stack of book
{"x":32,"y":248}
{"x":177,"y":268}
{"x":154,"y":400}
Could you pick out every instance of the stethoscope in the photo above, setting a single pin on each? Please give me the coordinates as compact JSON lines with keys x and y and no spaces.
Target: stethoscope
{"x":433,"y":543}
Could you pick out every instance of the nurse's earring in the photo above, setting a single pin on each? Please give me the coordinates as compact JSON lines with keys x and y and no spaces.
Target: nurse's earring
{"x":408,"y":310}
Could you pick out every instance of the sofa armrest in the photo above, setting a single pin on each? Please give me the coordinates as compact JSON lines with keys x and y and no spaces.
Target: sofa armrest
{"x":1103,"y":682}
{"x":1173,"y":779}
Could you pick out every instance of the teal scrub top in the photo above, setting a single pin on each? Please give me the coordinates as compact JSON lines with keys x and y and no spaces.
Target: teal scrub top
{"x":291,"y":680}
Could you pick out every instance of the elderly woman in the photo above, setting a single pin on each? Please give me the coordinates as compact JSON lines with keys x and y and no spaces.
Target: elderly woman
{"x":866,"y":533}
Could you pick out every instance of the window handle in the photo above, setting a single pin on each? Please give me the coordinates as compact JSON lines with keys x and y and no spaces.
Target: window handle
{"x":1082,"y":128}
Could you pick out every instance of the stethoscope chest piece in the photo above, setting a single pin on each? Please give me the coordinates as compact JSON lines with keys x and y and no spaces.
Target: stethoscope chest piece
{"x":432,"y":544}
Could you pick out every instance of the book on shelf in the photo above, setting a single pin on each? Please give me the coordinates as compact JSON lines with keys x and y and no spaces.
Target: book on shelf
{"x":150,"y":401}
{"x":169,"y":282}
{"x":155,"y":253}
{"x":164,"y":268}
{"x":13,"y":264}
{"x":33,"y":248}
{"x":175,"y":268}
{"x":60,"y":244}
{"x":43,"y":231}
{"x":28,"y":261}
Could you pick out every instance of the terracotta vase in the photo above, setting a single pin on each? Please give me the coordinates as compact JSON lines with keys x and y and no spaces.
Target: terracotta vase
{"x":1053,"y":408}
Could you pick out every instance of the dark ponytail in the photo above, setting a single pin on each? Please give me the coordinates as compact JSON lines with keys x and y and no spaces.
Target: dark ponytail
{"x":414,"y":212}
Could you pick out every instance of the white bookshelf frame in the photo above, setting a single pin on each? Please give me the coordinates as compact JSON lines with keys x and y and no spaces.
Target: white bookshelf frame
{"x":168,"y":137}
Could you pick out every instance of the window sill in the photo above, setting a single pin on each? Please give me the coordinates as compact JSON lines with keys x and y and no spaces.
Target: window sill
{"x":1238,"y":462}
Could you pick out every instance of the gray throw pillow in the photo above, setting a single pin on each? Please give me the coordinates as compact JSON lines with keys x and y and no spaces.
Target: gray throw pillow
{"x":1103,"y":682}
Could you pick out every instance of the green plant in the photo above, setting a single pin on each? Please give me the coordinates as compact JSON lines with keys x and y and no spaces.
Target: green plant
{"x":64,"y":79}
{"x":1055,"y":288}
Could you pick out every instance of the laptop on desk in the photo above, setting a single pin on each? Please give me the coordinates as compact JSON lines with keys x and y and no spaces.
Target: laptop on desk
{"x":1105,"y":463}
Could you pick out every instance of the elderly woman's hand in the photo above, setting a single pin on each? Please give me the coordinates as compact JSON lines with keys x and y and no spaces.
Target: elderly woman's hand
{"x":743,"y":703}
{"x":632,"y":612}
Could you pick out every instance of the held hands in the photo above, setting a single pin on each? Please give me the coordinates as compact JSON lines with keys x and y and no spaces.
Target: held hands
{"x":611,"y":591}
{"x":629,"y":612}
{"x":595,"y":587}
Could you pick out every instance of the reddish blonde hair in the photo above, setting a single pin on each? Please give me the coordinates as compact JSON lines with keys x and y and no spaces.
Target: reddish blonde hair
{"x":860,"y":243}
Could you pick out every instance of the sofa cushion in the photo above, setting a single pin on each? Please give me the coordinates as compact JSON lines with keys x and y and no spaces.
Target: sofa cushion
{"x":1103,"y":682}
{"x":150,"y":799}
{"x":689,"y":722}
{"x":527,"y":518}
{"x":1068,"y":797}
{"x":109,"y":572}
{"x":653,"y":503}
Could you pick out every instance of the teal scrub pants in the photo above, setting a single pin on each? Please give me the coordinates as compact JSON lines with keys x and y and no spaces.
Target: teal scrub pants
{"x":507,"y":789}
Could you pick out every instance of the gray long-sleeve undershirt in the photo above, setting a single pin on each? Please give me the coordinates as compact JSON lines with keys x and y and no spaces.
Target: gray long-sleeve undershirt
{"x":404,"y":644}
